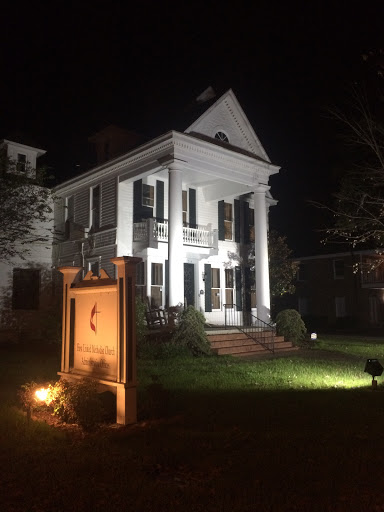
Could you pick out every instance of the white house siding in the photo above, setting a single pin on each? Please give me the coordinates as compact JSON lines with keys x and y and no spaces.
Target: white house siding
{"x":20,"y":324}
{"x":124,"y":234}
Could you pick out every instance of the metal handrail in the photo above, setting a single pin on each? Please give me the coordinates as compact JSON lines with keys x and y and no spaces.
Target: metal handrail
{"x":256,"y":329}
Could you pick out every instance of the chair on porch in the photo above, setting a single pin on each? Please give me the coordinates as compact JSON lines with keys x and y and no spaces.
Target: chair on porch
{"x":155,"y":317}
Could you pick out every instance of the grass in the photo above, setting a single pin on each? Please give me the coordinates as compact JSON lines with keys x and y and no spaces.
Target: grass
{"x":302,"y":432}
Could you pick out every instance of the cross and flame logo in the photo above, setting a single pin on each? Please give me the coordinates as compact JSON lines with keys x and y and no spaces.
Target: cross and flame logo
{"x":93,"y":319}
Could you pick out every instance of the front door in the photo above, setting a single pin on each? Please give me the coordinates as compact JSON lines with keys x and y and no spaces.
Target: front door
{"x":189,"y":283}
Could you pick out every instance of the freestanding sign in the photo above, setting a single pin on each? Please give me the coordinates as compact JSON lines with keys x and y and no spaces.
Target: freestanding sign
{"x":99,"y":332}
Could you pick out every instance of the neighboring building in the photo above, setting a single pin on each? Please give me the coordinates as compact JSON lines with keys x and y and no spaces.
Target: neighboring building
{"x":189,"y":204}
{"x":27,"y":286}
{"x":341,"y":290}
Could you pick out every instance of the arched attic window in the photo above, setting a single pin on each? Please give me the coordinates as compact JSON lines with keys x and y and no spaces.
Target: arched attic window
{"x":221,"y":136}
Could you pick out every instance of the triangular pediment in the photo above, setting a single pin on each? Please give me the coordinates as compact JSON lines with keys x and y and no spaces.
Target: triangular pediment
{"x":227,"y":118}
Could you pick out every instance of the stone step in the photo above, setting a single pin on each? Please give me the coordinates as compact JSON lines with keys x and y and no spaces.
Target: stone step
{"x":241,"y":340}
{"x":239,"y":344}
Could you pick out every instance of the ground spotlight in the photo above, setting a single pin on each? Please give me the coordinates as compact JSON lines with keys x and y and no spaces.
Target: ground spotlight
{"x":374,"y":368}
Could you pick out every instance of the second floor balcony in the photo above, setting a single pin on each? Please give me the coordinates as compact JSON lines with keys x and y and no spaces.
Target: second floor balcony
{"x":151,"y":231}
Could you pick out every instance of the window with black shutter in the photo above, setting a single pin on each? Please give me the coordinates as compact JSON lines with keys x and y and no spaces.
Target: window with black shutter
{"x":26,"y":288}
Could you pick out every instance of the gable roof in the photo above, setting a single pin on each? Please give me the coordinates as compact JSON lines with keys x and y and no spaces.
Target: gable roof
{"x":227,"y":116}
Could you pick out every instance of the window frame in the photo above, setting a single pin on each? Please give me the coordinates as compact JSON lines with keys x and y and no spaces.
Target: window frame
{"x":336,"y":273}
{"x":148,"y":200}
{"x":228,"y":221}
{"x":23,"y":298}
{"x":21,"y":164}
{"x":215,"y":288}
{"x":229,"y":286}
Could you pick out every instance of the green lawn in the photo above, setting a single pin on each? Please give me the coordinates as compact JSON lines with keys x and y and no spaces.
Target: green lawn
{"x":303,"y":432}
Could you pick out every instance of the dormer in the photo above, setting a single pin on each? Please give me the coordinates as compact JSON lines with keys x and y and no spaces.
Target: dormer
{"x":20,"y":158}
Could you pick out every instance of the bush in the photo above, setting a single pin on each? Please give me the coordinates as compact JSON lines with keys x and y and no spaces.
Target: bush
{"x":290,"y":325}
{"x":191,"y":333}
{"x":141,"y":323}
{"x":77,"y":402}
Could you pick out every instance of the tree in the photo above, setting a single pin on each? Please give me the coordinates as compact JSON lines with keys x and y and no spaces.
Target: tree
{"x":358,"y":206}
{"x":25,"y":210}
{"x":282,"y":270}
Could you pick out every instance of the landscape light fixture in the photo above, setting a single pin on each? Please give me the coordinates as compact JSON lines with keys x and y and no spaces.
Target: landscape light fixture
{"x":374,"y":368}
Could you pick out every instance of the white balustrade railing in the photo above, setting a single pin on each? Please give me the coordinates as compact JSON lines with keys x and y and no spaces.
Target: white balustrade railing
{"x":200,"y":236}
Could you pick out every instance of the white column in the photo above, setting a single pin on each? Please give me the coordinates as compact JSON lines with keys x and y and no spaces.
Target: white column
{"x":175,"y":235}
{"x":263,"y":301}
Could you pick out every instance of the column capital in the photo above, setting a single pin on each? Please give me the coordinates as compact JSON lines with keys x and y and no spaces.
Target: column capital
{"x":171,"y":163}
{"x":261,"y":189}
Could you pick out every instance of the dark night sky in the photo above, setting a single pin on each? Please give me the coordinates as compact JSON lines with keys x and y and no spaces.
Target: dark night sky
{"x":68,"y":69}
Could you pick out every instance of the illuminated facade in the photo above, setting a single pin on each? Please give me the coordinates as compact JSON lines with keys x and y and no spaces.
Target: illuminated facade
{"x":189,"y":204}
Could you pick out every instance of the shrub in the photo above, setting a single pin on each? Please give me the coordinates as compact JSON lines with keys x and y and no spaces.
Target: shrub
{"x":191,"y":333}
{"x":77,"y":402}
{"x":290,"y":325}
{"x":141,"y":323}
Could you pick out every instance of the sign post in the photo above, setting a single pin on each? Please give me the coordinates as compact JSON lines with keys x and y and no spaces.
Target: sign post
{"x":99,"y":332}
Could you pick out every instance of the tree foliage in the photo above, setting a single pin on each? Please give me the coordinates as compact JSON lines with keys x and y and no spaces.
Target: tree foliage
{"x":282,"y":270}
{"x":25,"y":209}
{"x":358,"y":206}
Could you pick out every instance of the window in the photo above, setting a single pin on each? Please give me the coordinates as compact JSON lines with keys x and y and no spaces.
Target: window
{"x":302,"y":274}
{"x":229,"y":287}
{"x":215,"y":288}
{"x":157,"y":285}
{"x":140,"y":280}
{"x":95,"y":207}
{"x":338,"y":269}
{"x":26,"y":288}
{"x":221,"y":136}
{"x":185,"y":208}
{"x":148,"y":195}
{"x":340,"y":310}
{"x":228,"y":221}
{"x":21,"y":164}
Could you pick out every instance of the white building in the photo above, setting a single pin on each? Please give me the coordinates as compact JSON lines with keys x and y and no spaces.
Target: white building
{"x":188,"y":204}
{"x":26,"y":283}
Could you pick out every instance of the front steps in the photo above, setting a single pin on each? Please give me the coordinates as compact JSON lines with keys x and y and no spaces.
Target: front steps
{"x":236,"y":343}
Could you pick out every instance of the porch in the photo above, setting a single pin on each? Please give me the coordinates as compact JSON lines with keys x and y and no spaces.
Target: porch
{"x":151,"y":230}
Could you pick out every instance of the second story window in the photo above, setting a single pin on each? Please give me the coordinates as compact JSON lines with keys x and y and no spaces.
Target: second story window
{"x":338,"y":269}
{"x":21,"y":164}
{"x":95,"y":207}
{"x":148,"y":195}
{"x":228,"y":221}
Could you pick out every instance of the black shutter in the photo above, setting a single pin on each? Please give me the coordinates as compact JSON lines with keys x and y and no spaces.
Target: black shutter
{"x":247,"y":285}
{"x":237,"y":220}
{"x":192,"y":208}
{"x":160,"y":201}
{"x":221,"y":220}
{"x":166,"y":283}
{"x":239,"y":291}
{"x":140,"y":212}
{"x":137,"y":199}
{"x":246,"y":223}
{"x":207,"y":291}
